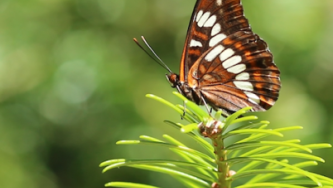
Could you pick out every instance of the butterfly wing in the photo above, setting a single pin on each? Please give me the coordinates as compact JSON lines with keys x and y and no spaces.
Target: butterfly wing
{"x":235,"y":73}
{"x":224,"y":63}
{"x":211,"y":21}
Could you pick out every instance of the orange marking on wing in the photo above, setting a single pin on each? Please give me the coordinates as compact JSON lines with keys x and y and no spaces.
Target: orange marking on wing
{"x":182,"y":67}
{"x":267,"y":101}
{"x":200,"y":35}
{"x":196,"y":52}
{"x":228,"y":41}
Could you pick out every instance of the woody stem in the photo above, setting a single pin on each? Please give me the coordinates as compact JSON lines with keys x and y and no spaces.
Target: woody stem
{"x":222,"y":166}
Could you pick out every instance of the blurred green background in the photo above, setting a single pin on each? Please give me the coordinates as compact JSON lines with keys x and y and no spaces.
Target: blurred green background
{"x":72,"y":83}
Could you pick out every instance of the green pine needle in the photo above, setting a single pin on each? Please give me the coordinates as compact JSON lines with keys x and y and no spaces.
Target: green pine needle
{"x":262,"y":162}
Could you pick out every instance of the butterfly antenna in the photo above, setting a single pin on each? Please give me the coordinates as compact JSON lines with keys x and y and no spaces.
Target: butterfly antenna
{"x":155,"y":57}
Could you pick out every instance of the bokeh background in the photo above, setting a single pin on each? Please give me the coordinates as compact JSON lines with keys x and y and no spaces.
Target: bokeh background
{"x":72,"y":83}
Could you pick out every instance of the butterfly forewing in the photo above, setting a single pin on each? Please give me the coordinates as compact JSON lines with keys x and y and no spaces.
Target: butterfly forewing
{"x":211,"y":22}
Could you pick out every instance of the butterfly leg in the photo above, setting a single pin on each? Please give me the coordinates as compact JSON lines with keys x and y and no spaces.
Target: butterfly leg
{"x":206,"y":105}
{"x":184,"y":111}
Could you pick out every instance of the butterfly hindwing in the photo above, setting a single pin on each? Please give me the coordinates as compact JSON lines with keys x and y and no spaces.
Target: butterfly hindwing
{"x":237,"y":72}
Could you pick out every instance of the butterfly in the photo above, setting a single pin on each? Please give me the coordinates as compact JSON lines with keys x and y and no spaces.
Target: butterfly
{"x":224,"y":64}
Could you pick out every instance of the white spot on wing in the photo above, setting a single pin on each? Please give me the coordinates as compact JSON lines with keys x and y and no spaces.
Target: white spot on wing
{"x":214,"y":53}
{"x":195,"y":43}
{"x":199,"y":15}
{"x":247,"y":86}
{"x":210,"y":22}
{"x":226,"y":54}
{"x":219,"y":2}
{"x":203,"y":19}
{"x":243,"y":76}
{"x":252,"y":97}
{"x":231,"y":61}
{"x":216,"y":29}
{"x":237,"y":69}
{"x":215,"y":40}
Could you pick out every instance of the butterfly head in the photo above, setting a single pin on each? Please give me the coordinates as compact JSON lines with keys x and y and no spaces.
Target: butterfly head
{"x":173,"y":79}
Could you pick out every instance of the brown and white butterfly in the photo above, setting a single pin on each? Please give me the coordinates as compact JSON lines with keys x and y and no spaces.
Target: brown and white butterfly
{"x":224,"y":64}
